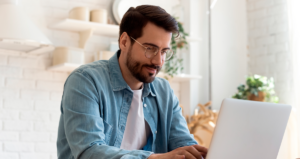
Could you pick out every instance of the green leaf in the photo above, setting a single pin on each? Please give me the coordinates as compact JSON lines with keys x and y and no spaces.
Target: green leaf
{"x":255,"y":84}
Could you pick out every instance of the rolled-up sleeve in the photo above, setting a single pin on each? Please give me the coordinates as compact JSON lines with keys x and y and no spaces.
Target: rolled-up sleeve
{"x":179,"y":133}
{"x":84,"y":128}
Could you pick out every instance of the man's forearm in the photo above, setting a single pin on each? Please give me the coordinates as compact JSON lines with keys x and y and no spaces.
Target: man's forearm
{"x":104,"y":152}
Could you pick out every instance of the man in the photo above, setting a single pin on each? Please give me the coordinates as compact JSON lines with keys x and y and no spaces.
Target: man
{"x":117,"y":108}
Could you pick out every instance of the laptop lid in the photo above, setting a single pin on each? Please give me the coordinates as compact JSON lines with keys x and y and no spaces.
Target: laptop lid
{"x":248,"y":130}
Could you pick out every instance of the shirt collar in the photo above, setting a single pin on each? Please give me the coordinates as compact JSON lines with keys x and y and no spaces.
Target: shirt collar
{"x":117,"y":81}
{"x":148,"y":89}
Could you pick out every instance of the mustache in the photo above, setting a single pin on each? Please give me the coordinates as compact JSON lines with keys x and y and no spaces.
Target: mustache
{"x":153,"y":66}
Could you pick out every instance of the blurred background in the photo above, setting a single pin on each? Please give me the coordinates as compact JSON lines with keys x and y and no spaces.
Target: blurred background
{"x":228,"y":48}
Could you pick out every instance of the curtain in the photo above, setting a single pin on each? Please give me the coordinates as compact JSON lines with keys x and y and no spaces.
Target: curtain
{"x":294,"y":23}
{"x":290,"y":147}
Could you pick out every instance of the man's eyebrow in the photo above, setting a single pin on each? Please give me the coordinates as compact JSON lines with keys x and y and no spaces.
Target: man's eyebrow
{"x":155,"y":45}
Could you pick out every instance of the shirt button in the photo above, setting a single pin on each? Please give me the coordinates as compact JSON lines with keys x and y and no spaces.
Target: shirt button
{"x":145,"y":105}
{"x":155,"y":132}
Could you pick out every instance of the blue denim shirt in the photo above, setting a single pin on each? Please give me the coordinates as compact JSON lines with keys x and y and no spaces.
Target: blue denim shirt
{"x":94,"y":109}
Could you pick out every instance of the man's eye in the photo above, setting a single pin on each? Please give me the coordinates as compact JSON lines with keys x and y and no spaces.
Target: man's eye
{"x":165,"y":51}
{"x":151,"y":49}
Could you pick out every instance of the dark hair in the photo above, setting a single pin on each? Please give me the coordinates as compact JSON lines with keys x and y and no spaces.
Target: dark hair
{"x":135,"y":19}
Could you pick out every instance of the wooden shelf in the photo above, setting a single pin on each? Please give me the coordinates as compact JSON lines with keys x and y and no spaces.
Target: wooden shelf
{"x":180,"y":77}
{"x":80,"y":26}
{"x":65,"y":67}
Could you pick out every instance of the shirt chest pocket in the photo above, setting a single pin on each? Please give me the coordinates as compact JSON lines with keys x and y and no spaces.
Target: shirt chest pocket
{"x":107,"y":132}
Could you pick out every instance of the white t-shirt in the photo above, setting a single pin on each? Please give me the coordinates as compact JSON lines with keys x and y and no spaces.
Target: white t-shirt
{"x":137,"y":129}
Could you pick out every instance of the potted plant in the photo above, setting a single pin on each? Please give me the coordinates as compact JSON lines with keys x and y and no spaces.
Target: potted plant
{"x":257,"y":88}
{"x":172,"y":66}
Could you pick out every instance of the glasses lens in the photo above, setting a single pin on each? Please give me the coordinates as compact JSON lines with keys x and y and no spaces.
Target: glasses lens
{"x":151,"y":52}
{"x":169,"y":54}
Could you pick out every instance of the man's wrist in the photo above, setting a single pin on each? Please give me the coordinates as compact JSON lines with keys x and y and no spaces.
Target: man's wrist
{"x":153,"y":156}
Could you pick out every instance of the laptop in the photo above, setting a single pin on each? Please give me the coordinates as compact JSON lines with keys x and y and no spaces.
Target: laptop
{"x":248,"y":130}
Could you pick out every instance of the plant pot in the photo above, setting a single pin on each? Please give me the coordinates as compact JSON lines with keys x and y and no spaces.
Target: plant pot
{"x":261,"y":97}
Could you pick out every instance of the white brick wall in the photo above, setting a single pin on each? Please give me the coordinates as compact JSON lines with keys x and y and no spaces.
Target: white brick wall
{"x":35,"y":136}
{"x":9,"y":136}
{"x":29,"y":94}
{"x":9,"y":114}
{"x":9,"y":155}
{"x":17,"y":126}
{"x":35,"y":155}
{"x":18,"y":104}
{"x":18,"y":147}
{"x":268,"y":44}
{"x":34,"y":94}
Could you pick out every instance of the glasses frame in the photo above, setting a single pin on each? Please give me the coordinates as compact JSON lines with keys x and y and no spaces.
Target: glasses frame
{"x":166,"y":59}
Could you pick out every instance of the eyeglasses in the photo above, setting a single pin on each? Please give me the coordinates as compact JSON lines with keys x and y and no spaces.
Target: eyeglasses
{"x":151,"y":51}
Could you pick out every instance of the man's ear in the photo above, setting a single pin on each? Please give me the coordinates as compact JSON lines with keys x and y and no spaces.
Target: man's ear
{"x":124,"y":41}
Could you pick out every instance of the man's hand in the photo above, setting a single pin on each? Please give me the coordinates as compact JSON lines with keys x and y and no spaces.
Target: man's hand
{"x":187,"y":152}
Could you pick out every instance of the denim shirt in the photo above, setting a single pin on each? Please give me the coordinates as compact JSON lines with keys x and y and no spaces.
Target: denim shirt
{"x":94,"y":109}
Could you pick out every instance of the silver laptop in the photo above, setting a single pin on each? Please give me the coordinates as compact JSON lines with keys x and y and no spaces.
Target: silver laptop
{"x":248,"y":130}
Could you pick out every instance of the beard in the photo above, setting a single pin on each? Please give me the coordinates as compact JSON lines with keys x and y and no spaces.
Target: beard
{"x":136,"y":69}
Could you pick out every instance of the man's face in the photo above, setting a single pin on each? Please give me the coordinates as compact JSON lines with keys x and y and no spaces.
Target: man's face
{"x":141,"y":67}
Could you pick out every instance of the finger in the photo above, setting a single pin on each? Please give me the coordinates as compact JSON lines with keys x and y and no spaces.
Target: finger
{"x":192,"y":150}
{"x":179,"y":157}
{"x":203,"y":154}
{"x":201,"y":148}
{"x":188,"y":155}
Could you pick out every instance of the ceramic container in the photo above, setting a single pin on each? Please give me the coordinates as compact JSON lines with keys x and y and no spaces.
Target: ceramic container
{"x":80,"y":13}
{"x":68,"y":55}
{"x":103,"y":55}
{"x":98,"y":16}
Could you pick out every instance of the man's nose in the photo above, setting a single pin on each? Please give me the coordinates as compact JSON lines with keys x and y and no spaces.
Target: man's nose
{"x":158,"y":59}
